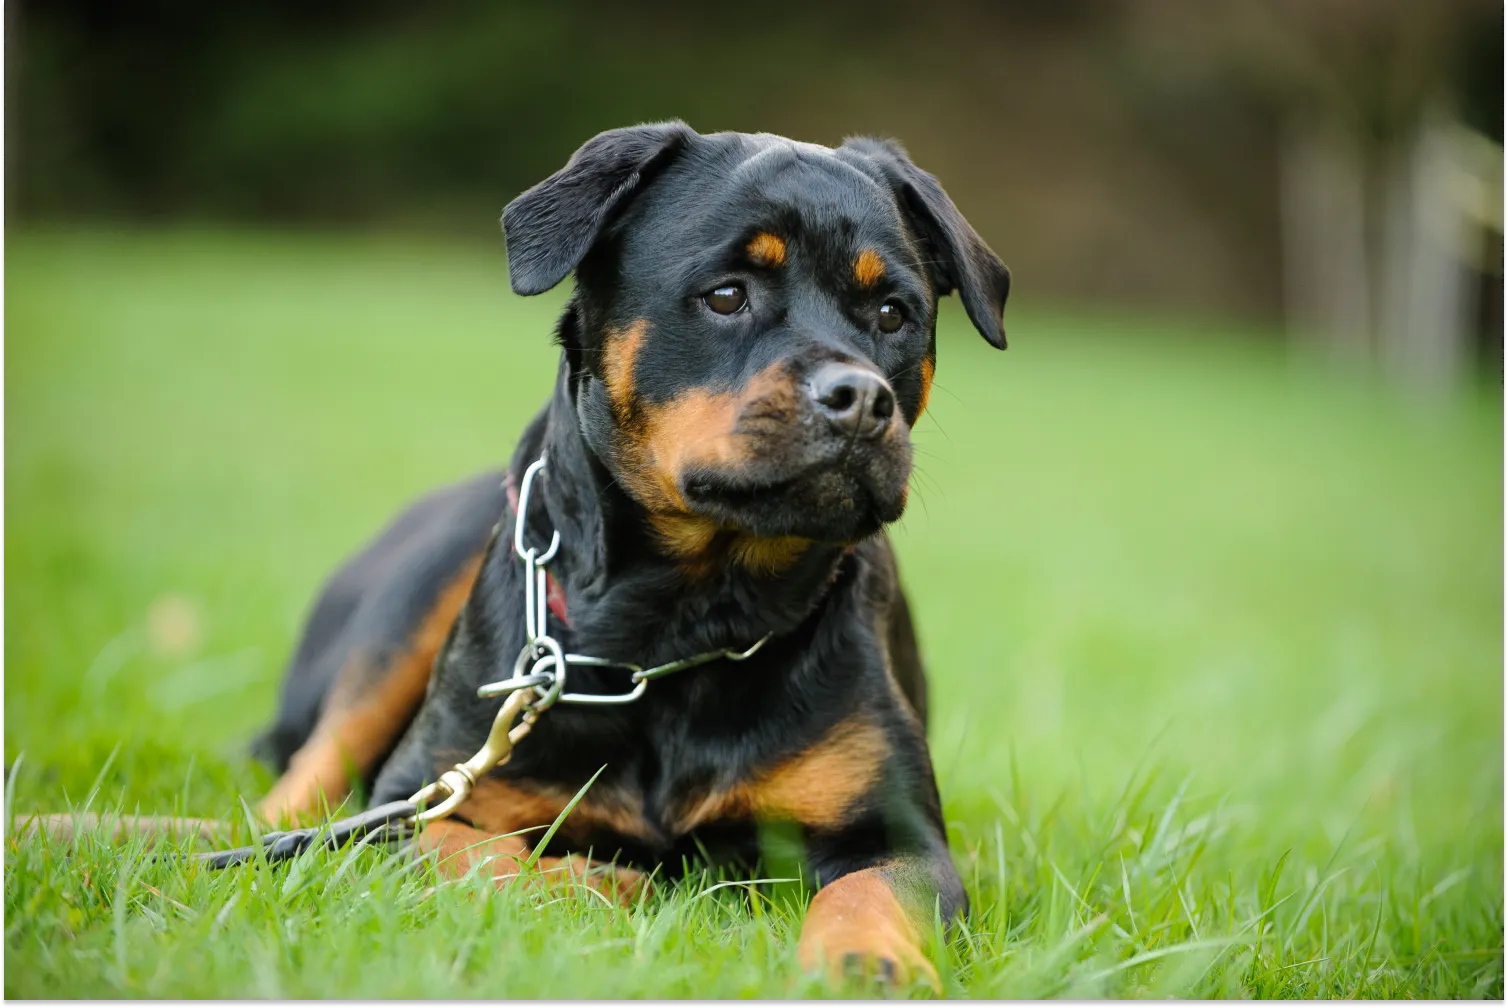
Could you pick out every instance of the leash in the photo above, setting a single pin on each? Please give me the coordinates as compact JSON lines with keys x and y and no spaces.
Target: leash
{"x":537,"y":684}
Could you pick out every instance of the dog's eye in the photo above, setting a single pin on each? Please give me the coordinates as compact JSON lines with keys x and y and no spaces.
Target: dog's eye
{"x":726,"y":300}
{"x":892,"y":317}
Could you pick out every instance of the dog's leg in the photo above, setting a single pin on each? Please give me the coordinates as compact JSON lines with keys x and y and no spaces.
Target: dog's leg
{"x":462,"y":848}
{"x":366,"y":652}
{"x":369,"y":705}
{"x":872,"y":921}
{"x":865,"y":796}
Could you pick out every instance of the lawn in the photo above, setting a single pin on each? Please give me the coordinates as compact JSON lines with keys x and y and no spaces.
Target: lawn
{"x":1215,"y":637}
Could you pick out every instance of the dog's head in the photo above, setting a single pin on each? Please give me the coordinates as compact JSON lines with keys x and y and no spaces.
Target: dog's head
{"x":753,"y":330}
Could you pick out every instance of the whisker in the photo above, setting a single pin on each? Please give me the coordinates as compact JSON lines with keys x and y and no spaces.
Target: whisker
{"x":929,"y":415}
{"x":956,"y":398}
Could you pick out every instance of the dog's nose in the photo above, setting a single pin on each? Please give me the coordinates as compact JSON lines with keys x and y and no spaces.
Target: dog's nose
{"x":855,"y":400}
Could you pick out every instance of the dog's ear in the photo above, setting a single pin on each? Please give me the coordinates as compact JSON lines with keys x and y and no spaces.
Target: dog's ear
{"x":550,"y":227}
{"x":961,"y":259}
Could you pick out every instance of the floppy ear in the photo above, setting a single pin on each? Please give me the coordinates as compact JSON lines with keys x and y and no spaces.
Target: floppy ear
{"x":964,"y":261}
{"x":550,"y":227}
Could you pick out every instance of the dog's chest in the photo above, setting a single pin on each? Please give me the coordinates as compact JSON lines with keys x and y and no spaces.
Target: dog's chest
{"x":704,"y":759}
{"x":675,"y":763}
{"x":657,"y":795}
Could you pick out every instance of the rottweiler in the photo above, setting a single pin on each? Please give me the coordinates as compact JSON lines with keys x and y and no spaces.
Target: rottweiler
{"x":749,"y":343}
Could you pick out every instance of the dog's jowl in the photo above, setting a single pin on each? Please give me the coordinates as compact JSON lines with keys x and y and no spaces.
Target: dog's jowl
{"x":750,"y":342}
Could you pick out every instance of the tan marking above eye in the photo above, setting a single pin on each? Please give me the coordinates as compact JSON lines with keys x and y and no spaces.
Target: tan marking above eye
{"x":765,"y":249}
{"x":868,"y":268}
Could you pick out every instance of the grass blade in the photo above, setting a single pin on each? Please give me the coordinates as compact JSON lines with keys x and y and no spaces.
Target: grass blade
{"x":544,"y":841}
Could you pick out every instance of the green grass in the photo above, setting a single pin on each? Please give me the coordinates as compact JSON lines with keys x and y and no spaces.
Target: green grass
{"x":1215,"y":639}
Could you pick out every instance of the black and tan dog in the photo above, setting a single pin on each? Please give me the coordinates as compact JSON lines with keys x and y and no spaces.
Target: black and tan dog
{"x":750,"y":342}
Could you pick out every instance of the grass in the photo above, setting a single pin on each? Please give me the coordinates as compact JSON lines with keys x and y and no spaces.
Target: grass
{"x":1215,"y":638}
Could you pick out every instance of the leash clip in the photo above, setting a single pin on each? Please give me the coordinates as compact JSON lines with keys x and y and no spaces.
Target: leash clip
{"x":514,"y":720}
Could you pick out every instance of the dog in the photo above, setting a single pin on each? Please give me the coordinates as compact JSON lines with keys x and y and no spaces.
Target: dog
{"x":750,"y":341}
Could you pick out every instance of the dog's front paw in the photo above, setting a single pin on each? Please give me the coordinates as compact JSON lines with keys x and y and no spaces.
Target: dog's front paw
{"x":887,"y":959}
{"x":870,"y":967}
{"x":856,"y":925}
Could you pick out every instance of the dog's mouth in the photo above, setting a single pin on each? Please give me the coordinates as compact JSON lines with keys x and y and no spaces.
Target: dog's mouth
{"x":843,"y":494}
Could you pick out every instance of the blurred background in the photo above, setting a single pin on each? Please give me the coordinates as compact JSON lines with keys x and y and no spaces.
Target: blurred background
{"x":1330,"y":167}
{"x":1207,"y":567}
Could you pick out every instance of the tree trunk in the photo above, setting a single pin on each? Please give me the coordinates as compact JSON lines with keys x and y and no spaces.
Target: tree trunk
{"x":1326,"y":290}
{"x":1425,"y":301}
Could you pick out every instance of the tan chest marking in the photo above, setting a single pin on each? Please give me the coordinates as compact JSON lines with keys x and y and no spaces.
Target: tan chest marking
{"x":499,"y":807}
{"x":817,"y":787}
